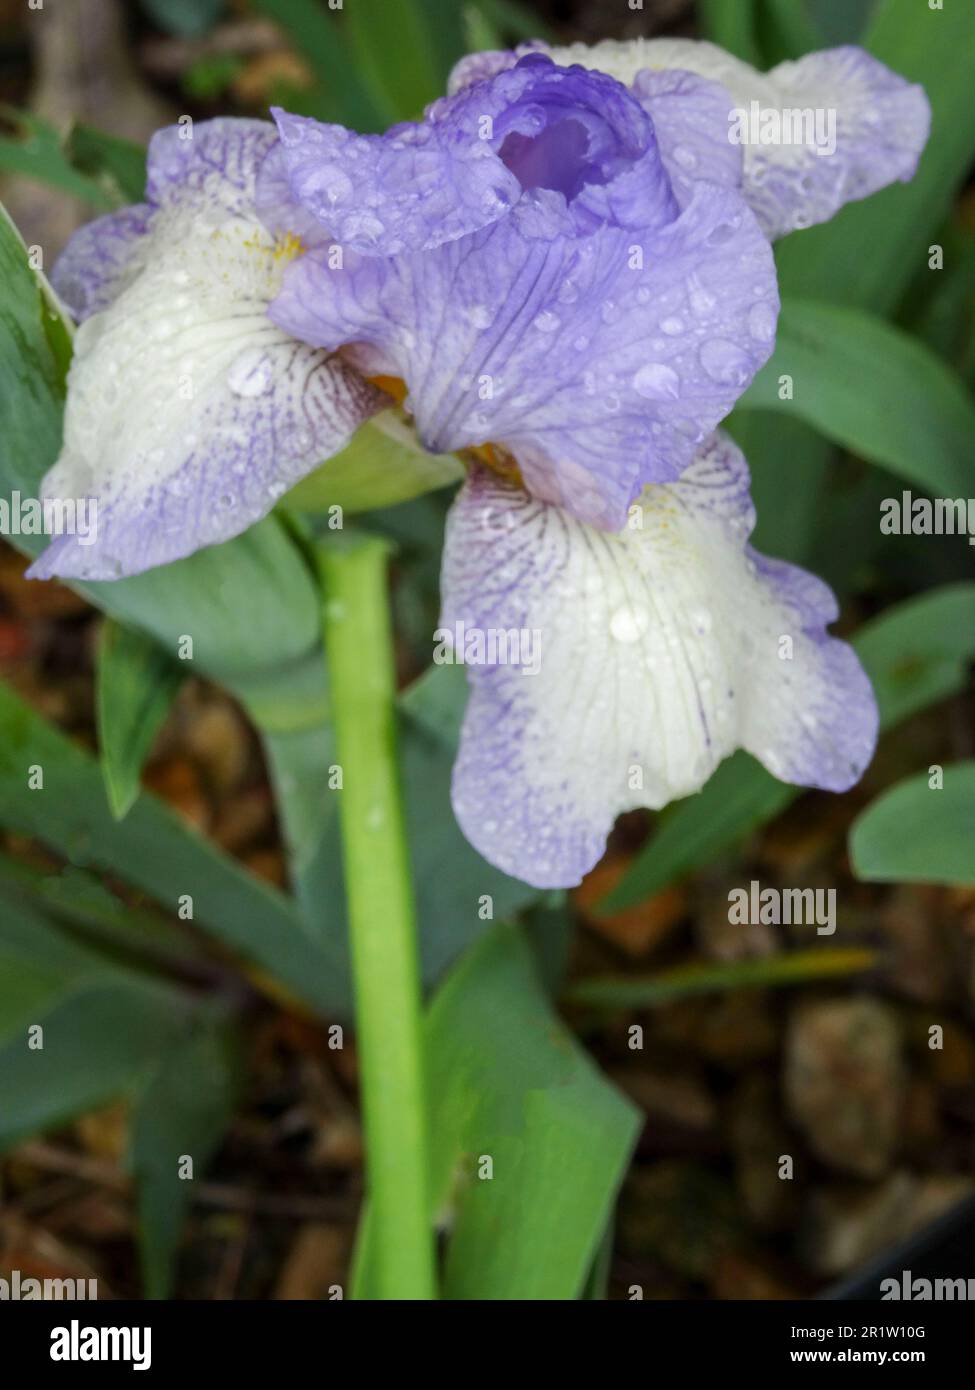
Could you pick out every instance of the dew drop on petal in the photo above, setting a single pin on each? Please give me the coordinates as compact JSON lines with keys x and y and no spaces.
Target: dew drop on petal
{"x":480,"y":316}
{"x":723,"y":232}
{"x":702,"y":620}
{"x":629,"y":623}
{"x":761,"y":322}
{"x":655,"y":381}
{"x":724,"y":362}
{"x":702,"y":301}
{"x":547,"y":321}
{"x":250,"y":374}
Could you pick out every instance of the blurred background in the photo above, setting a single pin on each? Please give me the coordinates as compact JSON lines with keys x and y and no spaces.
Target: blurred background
{"x":756,"y":1042}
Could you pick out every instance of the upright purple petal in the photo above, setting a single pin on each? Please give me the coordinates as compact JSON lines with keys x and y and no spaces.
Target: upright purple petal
{"x":599,"y":362}
{"x":534,"y":126}
{"x":690,"y":119}
{"x":881,"y":122}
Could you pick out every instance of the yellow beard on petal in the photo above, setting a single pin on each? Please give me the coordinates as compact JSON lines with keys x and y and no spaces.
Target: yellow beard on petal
{"x":493,"y":456}
{"x":286,"y":247}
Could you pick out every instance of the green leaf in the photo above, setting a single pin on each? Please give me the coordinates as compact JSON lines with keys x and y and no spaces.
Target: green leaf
{"x":508,"y":1082}
{"x":80,"y":901}
{"x":839,"y":24}
{"x":136,"y":685}
{"x":481,"y":35}
{"x":39,"y":154}
{"x":867,"y":255}
{"x":101,"y":1040}
{"x":787,"y":30}
{"x":382,"y":466}
{"x":872,"y":388}
{"x":317,"y":36}
{"x":181,"y":1113}
{"x":513,"y":20}
{"x":38,"y":964}
{"x":397,"y":54}
{"x":943,"y":314}
{"x":789,"y":466}
{"x":152,"y":849}
{"x":915,"y":654}
{"x":731,"y":24}
{"x":915,"y":833}
{"x":919,"y":651}
{"x":683,"y":981}
{"x":118,"y":166}
{"x":99,"y":1033}
{"x":98,"y":1046}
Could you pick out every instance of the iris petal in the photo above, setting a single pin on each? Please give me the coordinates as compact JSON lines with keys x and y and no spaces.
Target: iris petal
{"x":188,"y":412}
{"x":599,"y":362}
{"x":882,"y":122}
{"x":659,"y":651}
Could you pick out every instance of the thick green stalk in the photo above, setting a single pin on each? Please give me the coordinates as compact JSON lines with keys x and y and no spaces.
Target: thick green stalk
{"x":381,"y":916}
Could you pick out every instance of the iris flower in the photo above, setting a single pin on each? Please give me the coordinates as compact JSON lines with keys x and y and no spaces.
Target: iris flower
{"x":564,"y":272}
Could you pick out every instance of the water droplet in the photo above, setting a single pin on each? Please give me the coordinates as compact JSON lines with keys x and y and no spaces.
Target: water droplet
{"x":723,"y":232}
{"x":672,"y":326}
{"x":363,"y":226}
{"x":724,"y":362}
{"x":250,"y":374}
{"x":684,"y":156}
{"x":657,"y":382}
{"x":629,"y":623}
{"x":761,"y":322}
{"x":702,"y":620}
{"x":547,"y":321}
{"x":480,"y":316}
{"x":702,"y":301}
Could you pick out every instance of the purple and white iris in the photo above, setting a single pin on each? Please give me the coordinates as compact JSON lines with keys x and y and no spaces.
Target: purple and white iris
{"x":568,"y":265}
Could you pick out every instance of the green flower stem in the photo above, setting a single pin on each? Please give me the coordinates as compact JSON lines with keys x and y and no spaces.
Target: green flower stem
{"x":381,"y":916}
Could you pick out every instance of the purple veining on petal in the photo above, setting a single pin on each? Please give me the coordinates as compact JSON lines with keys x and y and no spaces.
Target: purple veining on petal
{"x":216,"y":159}
{"x":531,"y":127}
{"x":882,"y":124}
{"x":690,"y":117}
{"x":600,"y":362}
{"x":98,"y":259}
{"x":241,"y":450}
{"x":882,"y":121}
{"x":189,"y":413}
{"x":661,"y":651}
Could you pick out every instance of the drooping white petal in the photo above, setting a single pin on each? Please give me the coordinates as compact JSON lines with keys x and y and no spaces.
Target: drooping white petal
{"x":654,"y":653}
{"x":188,"y":412}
